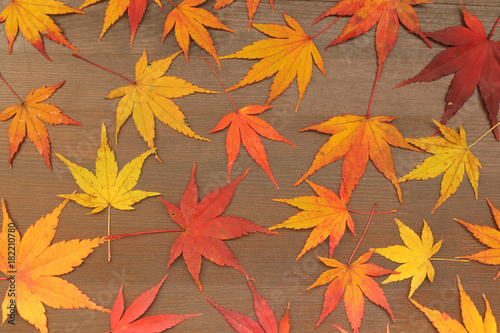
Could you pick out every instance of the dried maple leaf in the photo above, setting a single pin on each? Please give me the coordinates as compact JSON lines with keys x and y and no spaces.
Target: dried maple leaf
{"x":150,"y":95}
{"x":289,"y":54}
{"x":205,"y":230}
{"x":245,"y":128}
{"x":357,"y":139}
{"x":415,"y":257}
{"x":27,"y":119}
{"x":31,"y":17}
{"x":353,"y":280}
{"x":327,"y":213}
{"x":116,"y":9}
{"x":387,"y":13}
{"x":451,"y":157}
{"x":32,"y":264}
{"x":475,"y":60}
{"x":128,"y":322}
{"x":189,"y":23}
{"x":266,"y":320}
{"x":108,"y":187}
{"x":470,"y":315}
{"x":489,"y":237}
{"x":251,"y":7}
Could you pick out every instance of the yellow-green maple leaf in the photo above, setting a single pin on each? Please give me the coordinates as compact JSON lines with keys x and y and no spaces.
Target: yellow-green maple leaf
{"x":108,"y":187}
{"x":473,"y":323}
{"x":451,"y":157}
{"x":289,"y":55}
{"x":415,"y":256}
{"x":150,"y":95}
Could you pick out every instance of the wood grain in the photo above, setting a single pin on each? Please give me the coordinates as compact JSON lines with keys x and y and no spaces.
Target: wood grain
{"x":139,"y":263}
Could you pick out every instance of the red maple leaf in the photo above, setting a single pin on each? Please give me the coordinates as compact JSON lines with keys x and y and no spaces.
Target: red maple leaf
{"x":245,"y":128}
{"x":204,"y":230}
{"x":385,"y":13}
{"x":127,"y":322}
{"x":266,"y":320}
{"x":475,"y":60}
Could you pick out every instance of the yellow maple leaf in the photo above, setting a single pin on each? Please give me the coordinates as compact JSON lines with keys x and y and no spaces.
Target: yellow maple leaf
{"x":415,"y":256}
{"x":32,"y":265}
{"x":108,"y":187}
{"x":289,"y":55}
{"x":451,"y":157}
{"x":473,"y":323}
{"x":190,"y":22}
{"x":31,"y":17}
{"x":150,"y":96}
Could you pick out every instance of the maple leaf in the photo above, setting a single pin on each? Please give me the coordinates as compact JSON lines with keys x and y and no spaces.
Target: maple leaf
{"x":27,"y":118}
{"x":150,"y":95}
{"x":189,"y":23}
{"x":289,"y":54}
{"x":116,"y":9}
{"x":353,"y":280}
{"x":245,"y":128}
{"x":129,"y":322}
{"x":387,"y":13}
{"x":475,"y":60}
{"x":357,"y":139}
{"x":251,"y":7}
{"x":266,"y":320}
{"x":205,"y":230}
{"x":108,"y":187}
{"x":470,"y":315}
{"x":451,"y":157}
{"x":415,"y":257}
{"x":33,"y":264}
{"x":489,"y":237}
{"x":327,"y":213}
{"x":31,"y":17}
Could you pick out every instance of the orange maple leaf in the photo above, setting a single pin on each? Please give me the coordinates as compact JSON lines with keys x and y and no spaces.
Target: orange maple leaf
{"x":31,"y":17}
{"x":470,"y":315}
{"x":489,"y":237}
{"x":327,"y":213}
{"x":353,"y":280}
{"x":31,"y":263}
{"x":27,"y":117}
{"x":387,"y":13}
{"x":189,"y":23}
{"x":116,"y":9}
{"x":251,"y":7}
{"x":245,"y":128}
{"x":356,"y":139}
{"x":288,"y":54}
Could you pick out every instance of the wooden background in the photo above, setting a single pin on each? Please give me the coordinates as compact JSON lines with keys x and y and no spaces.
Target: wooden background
{"x":139,"y":263}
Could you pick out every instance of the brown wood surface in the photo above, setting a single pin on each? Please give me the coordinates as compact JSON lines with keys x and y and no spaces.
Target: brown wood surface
{"x":30,"y":188}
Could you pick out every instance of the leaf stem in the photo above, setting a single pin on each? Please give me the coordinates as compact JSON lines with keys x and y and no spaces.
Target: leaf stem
{"x":222,"y":84}
{"x":20,"y":100}
{"x":109,"y":233}
{"x":328,"y":27}
{"x":494,"y":27}
{"x":365,"y":213}
{"x":172,"y":3}
{"x":106,"y":69}
{"x":363,"y":234}
{"x":444,"y":259}
{"x":377,"y":78}
{"x":142,"y":233}
{"x":4,"y":278}
{"x":482,"y":136}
